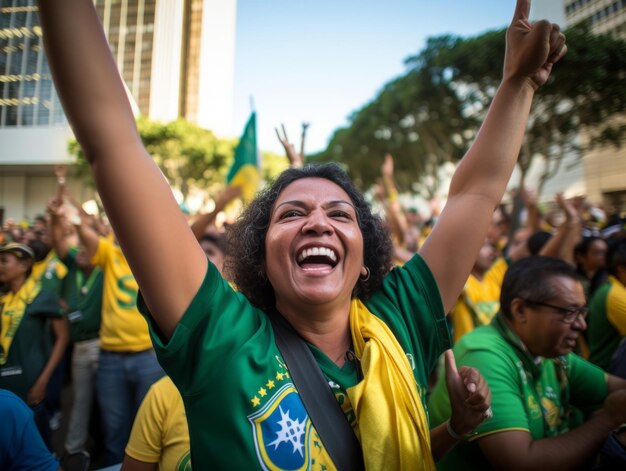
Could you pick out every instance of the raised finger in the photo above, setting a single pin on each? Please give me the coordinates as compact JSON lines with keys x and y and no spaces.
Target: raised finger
{"x":522,"y":10}
{"x":278,"y":135}
{"x":284,"y":132}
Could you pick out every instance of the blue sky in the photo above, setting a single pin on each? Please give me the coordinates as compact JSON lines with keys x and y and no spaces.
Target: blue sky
{"x":319,"y":61}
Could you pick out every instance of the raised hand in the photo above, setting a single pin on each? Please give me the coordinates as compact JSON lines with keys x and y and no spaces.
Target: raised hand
{"x":532,"y":49}
{"x":226,"y":196}
{"x":387,"y":166}
{"x":568,"y":208}
{"x":60,"y":171}
{"x":295,"y":159}
{"x":469,"y":394}
{"x":54,"y":206}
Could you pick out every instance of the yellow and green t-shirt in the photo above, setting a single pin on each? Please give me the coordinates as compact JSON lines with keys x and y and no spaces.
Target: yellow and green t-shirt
{"x":243,"y":409}
{"x":122,"y":328}
{"x":607,"y":321}
{"x":160,"y":434}
{"x":51,"y":272}
{"x":479,"y":301}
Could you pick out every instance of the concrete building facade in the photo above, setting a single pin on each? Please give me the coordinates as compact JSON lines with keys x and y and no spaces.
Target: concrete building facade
{"x":176,"y":58}
{"x":600,"y":173}
{"x":604,"y":168}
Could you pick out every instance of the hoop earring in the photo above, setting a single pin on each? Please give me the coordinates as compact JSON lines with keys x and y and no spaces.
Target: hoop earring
{"x":366,"y":277}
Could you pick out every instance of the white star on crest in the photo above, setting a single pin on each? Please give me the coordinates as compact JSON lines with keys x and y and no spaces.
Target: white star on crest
{"x":291,"y":431}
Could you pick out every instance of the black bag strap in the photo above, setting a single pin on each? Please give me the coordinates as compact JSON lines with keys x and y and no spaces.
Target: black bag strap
{"x":320,"y":402}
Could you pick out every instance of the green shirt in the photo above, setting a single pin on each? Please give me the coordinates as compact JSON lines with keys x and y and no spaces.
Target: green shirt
{"x":242,"y":407}
{"x":51,"y":272}
{"x":31,"y":345}
{"x":83,"y":295}
{"x":607,"y":321}
{"x":534,"y":395}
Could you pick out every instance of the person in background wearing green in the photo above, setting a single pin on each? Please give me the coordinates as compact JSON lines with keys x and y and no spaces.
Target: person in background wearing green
{"x":83,"y":298}
{"x":525,"y":355}
{"x":28,"y":353}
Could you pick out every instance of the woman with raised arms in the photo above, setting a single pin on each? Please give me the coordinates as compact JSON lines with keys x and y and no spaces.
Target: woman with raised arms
{"x":309,"y":249}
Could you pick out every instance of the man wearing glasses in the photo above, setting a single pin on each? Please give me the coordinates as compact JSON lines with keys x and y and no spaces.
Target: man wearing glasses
{"x":541,"y":391}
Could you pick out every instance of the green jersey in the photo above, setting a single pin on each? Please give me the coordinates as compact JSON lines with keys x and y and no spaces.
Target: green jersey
{"x":31,"y":345}
{"x":83,"y":295}
{"x":536,"y":395}
{"x":607,"y":321}
{"x":51,"y":272}
{"x":242,"y":407}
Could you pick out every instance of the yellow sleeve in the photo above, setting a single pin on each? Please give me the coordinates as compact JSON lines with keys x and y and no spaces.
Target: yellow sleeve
{"x":462,"y":322}
{"x":103,"y":252}
{"x":495,"y":274}
{"x":616,"y":307}
{"x":145,"y":442}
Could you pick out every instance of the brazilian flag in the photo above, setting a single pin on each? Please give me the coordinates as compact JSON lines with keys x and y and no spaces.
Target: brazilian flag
{"x":244,"y":172}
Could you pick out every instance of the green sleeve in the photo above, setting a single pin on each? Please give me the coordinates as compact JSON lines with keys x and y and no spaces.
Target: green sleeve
{"x":216,"y":325}
{"x":46,"y":304}
{"x":588,"y":383}
{"x":410,"y":304}
{"x":70,"y":258}
{"x":507,"y":399}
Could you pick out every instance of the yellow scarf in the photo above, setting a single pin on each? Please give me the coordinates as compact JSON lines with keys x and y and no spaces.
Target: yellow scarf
{"x":13,"y":308}
{"x":391,"y":420}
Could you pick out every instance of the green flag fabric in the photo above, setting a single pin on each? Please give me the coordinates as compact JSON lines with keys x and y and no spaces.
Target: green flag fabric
{"x":244,"y":172}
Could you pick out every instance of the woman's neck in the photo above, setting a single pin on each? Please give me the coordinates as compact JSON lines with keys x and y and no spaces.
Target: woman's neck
{"x":328,"y":329}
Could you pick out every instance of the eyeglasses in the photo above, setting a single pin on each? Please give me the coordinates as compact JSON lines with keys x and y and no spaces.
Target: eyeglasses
{"x":569,"y":314}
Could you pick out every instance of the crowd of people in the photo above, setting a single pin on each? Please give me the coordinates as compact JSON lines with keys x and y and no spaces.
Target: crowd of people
{"x":176,"y":330}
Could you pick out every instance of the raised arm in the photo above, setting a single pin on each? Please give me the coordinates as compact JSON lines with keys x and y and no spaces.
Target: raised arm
{"x":156,"y":240}
{"x":533,"y":215}
{"x":395,"y":215}
{"x":57,"y":233}
{"x":480,"y":179}
{"x":562,"y":244}
{"x":204,"y":220}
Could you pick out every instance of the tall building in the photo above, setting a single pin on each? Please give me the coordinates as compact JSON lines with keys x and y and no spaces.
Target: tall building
{"x":603,"y":16}
{"x":604,"y":168}
{"x":176,"y":58}
{"x":600,"y":173}
{"x":26,"y":91}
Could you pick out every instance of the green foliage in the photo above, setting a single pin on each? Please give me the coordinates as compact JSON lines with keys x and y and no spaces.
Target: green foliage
{"x":189,"y":156}
{"x":272,"y":165}
{"x":430,"y":115}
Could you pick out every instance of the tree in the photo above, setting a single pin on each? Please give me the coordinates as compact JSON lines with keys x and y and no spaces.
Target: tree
{"x":429,"y":115}
{"x":189,"y":156}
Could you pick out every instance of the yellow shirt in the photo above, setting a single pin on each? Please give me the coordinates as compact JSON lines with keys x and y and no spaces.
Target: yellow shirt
{"x":479,"y":301}
{"x":160,"y":433}
{"x":616,"y":305}
{"x":123,"y":328}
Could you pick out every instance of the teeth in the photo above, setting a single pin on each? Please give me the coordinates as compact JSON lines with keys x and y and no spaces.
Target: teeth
{"x":316,"y":251}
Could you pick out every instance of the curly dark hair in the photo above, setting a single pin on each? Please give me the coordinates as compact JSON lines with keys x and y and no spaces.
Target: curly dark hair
{"x":246,"y":238}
